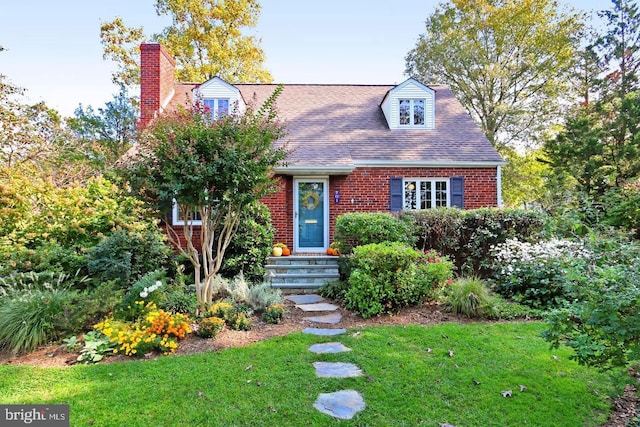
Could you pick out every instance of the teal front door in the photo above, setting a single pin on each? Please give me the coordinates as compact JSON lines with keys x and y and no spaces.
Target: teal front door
{"x":311,"y":215}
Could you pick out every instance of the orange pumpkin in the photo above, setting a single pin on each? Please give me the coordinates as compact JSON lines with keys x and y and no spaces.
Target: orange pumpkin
{"x":286,"y":251}
{"x":330,"y":251}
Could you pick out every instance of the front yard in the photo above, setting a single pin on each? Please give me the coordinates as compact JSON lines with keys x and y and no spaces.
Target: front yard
{"x":413,"y":375}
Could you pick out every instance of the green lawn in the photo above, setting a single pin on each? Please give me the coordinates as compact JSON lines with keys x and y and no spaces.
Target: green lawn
{"x":404,"y":383}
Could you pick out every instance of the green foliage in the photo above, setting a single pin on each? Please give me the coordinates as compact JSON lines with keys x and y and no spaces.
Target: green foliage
{"x":214,"y":167}
{"x":505,"y":61}
{"x":96,"y":346}
{"x":250,"y":245}
{"x":33,"y":310}
{"x":273,"y":314}
{"x":334,"y":290}
{"x":467,"y":235}
{"x":362,"y":228}
{"x":53,"y":228}
{"x":210,"y":327}
{"x":204,"y":38}
{"x":623,"y":208}
{"x":471,"y":297}
{"x":126,"y":256}
{"x":148,"y":289}
{"x":388,"y":276}
{"x":262,"y":296}
{"x":538,"y":274}
{"x":109,"y":132}
{"x":602,"y":321}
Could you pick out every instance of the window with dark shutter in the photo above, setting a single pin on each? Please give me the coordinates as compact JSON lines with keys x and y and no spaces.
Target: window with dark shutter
{"x":457,"y":191}
{"x":395,"y":201}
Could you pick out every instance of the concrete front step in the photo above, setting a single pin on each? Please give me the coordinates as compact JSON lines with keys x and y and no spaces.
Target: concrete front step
{"x":301,"y":272}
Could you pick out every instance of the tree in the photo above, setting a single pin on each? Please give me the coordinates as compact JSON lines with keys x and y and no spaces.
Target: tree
{"x":599,"y":146}
{"x":109,"y":133}
{"x":212,"y":169}
{"x":505,"y":60}
{"x":27,"y":132}
{"x":204,"y":38}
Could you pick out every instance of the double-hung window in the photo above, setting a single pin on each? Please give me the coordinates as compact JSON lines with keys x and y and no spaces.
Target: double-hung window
{"x":179,"y":219}
{"x":411,"y":112}
{"x":420,"y":193}
{"x":217,"y":107}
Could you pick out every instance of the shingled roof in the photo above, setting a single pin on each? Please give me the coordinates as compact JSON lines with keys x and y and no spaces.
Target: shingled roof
{"x":340,"y":127}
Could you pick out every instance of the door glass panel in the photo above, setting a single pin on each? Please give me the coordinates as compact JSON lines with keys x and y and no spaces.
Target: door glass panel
{"x":311,"y":208}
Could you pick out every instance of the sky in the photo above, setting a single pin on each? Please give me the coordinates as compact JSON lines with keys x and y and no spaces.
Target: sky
{"x":53,"y":46}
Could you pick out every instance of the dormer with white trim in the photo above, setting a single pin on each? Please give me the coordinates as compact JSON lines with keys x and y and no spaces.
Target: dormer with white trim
{"x":410,"y":105}
{"x":220,"y":97}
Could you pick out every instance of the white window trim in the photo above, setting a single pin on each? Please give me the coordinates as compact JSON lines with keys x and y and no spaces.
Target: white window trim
{"x":433,"y":191}
{"x":175,"y":216}
{"x":411,"y":112}
{"x":214,"y":111}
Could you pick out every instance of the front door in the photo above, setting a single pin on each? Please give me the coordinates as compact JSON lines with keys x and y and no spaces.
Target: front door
{"x":311,"y":214}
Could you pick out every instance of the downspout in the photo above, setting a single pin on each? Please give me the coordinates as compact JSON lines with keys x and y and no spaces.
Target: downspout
{"x":499,"y":185}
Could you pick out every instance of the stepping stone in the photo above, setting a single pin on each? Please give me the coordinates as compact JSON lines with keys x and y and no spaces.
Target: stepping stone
{"x":329,"y":347}
{"x":322,"y":306}
{"x":342,"y":404}
{"x":304,"y":299}
{"x":336,"y":370}
{"x":332,"y":318}
{"x":323,"y":331}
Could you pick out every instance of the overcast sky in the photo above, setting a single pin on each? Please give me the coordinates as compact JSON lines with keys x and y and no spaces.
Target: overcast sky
{"x":54,"y":51}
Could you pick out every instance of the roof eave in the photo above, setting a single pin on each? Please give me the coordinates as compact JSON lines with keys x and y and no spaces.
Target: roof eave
{"x":423,"y":164}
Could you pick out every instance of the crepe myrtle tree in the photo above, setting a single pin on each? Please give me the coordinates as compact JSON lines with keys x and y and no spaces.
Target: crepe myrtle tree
{"x":213,"y":169}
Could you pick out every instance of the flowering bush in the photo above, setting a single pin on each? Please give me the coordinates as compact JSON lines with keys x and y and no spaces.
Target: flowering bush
{"x":149,"y":289}
{"x":388,"y":276}
{"x":210,"y":327}
{"x":157,"y":330}
{"x":535,"y":274}
{"x":273,"y":314}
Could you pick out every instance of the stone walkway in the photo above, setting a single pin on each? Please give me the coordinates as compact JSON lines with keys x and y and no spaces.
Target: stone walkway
{"x":341,"y":404}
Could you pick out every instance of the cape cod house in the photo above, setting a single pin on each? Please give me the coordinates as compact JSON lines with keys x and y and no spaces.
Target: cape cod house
{"x":372,"y":148}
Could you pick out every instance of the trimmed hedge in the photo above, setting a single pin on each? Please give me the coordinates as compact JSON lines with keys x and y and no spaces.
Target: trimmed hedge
{"x":388,"y":276}
{"x":467,"y":236}
{"x":362,"y":228}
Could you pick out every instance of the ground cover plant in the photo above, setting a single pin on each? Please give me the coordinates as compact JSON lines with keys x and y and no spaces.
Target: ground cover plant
{"x":413,"y":375}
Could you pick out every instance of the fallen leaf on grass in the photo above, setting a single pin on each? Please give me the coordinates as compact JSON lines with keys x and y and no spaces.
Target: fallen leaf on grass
{"x":272,"y":409}
{"x":446,"y":425}
{"x":200,"y":394}
{"x":429,"y":350}
{"x":248,"y":367}
{"x":476,"y":382}
{"x":450,"y":353}
{"x":506,"y":393}
{"x":523,"y":387}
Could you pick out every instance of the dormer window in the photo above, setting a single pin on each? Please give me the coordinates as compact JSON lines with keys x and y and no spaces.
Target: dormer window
{"x":411,"y":112}
{"x":217,"y":107}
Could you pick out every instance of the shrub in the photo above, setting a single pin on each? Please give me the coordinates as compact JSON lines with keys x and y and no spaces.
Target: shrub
{"x":251,"y":245}
{"x":334,"y":290}
{"x":157,"y":330}
{"x":273,"y":314}
{"x":236,"y":316}
{"x":537,"y":274}
{"x":149,"y":289}
{"x":263,"y":295}
{"x":602,"y":321}
{"x":210,"y":327}
{"x":469,"y":296}
{"x":358,"y":229}
{"x":126,"y":256}
{"x":623,"y":208}
{"x":388,"y":276}
{"x":33,"y":310}
{"x":467,"y":235}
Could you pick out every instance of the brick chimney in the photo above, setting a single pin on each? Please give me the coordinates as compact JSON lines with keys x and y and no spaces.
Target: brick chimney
{"x":156,"y":81}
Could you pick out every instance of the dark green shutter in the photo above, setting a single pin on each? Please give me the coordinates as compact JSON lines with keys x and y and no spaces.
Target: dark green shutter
{"x":395,"y":201}
{"x":457,"y":191}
